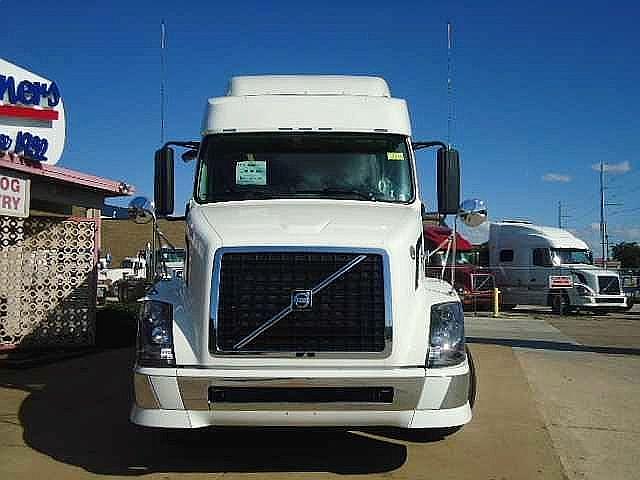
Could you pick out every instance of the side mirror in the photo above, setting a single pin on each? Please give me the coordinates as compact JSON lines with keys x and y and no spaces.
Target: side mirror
{"x":141,"y":210}
{"x":189,"y":156}
{"x":448,"y":179}
{"x":473,"y":212}
{"x":163,"y":191}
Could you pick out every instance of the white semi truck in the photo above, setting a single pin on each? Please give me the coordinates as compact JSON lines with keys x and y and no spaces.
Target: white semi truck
{"x":304,"y":299}
{"x":537,"y":265}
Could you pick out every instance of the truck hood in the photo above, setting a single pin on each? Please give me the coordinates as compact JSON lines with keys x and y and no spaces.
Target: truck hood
{"x":311,"y":223}
{"x":589,"y":269}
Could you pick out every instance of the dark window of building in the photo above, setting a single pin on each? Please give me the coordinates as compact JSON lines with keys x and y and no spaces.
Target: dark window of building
{"x":506,"y":255}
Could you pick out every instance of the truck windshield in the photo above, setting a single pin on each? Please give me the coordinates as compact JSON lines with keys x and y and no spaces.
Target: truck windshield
{"x":563,"y":256}
{"x":374,"y":167}
{"x":172,"y":255}
{"x":462,"y":258}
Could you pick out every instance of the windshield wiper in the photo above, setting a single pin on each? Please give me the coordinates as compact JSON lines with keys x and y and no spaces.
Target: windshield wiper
{"x":339,"y":191}
{"x":256,"y":192}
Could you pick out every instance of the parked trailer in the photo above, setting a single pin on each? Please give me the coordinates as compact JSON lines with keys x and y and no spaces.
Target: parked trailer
{"x":538,"y":265}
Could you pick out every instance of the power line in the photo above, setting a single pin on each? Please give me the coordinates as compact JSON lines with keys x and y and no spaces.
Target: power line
{"x":578,"y":215}
{"x":626,"y":192}
{"x":624,"y":175}
{"x":589,"y":212}
{"x":625,"y":211}
{"x":577,"y":211}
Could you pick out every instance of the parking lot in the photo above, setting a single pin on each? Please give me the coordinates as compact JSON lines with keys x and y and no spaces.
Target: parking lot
{"x":558,"y":397}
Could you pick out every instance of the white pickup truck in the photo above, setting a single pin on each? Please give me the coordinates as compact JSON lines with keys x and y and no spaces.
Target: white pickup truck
{"x":304,"y":299}
{"x":108,"y":278}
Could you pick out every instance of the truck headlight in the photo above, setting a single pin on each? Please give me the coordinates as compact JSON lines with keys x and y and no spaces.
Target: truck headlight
{"x":446,"y":338}
{"x":155,"y":335}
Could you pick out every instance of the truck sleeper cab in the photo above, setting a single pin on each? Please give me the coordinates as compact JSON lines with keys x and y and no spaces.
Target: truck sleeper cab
{"x":524,"y":256}
{"x":303,"y":299}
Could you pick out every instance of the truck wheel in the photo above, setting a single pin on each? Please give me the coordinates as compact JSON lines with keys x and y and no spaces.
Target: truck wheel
{"x":473,"y":381}
{"x":630,"y":304}
{"x":560,"y":304}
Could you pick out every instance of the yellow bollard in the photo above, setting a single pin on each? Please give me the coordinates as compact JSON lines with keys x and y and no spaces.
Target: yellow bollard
{"x":496,"y":302}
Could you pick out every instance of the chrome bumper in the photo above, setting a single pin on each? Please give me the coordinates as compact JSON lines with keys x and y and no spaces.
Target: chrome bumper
{"x":601,"y":301}
{"x":427,"y":391}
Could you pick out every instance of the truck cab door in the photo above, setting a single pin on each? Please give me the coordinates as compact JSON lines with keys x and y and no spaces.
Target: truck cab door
{"x":509,"y":276}
{"x":540,"y":269}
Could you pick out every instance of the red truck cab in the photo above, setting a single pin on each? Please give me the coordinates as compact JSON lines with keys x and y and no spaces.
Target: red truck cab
{"x":474,"y":284}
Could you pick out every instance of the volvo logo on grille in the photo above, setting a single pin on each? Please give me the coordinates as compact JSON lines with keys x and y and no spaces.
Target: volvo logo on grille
{"x":301,"y":299}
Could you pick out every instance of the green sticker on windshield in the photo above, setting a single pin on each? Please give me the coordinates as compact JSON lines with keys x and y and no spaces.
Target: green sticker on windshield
{"x":395,"y":156}
{"x":251,"y":172}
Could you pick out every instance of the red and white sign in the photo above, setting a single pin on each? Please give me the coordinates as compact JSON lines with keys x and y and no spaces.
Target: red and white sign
{"x":32,"y":119}
{"x":14,"y":196}
{"x":560,"y":281}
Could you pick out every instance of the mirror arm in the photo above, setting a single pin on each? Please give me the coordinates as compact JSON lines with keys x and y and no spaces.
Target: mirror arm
{"x":193,"y":145}
{"x":434,"y":143}
{"x":164,"y":237}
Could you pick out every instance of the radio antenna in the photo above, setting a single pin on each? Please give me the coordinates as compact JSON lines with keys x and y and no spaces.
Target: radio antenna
{"x":163,"y":45}
{"x":451,"y":114}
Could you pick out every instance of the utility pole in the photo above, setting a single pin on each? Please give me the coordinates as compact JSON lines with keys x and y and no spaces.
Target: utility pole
{"x":561,"y":216}
{"x":604,"y":234}
{"x":603,"y":225}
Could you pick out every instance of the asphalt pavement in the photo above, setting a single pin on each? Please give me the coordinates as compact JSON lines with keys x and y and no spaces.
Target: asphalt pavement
{"x":557,"y":398}
{"x":584,"y":374}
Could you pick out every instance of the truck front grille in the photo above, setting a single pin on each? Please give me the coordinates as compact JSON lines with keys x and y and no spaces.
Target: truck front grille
{"x":609,"y":285}
{"x":482,"y":282}
{"x":348,"y":315}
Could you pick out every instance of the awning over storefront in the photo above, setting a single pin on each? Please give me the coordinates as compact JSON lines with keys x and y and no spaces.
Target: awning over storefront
{"x":58,"y":185}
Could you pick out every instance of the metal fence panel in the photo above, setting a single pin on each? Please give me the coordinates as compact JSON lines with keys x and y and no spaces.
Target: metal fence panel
{"x":47,"y":282}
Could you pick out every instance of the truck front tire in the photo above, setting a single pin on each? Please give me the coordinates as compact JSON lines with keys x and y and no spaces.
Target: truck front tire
{"x":630,"y":304}
{"x":473,"y":382}
{"x":560,"y":304}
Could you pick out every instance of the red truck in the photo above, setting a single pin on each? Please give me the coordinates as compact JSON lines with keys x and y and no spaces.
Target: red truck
{"x":474,"y":284}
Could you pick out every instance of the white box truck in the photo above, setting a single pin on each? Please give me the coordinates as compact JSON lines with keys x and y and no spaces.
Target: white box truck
{"x":538,"y":265}
{"x":304,"y":299}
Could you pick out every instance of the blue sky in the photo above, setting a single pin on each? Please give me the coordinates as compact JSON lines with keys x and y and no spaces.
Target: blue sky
{"x":540,"y":88}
